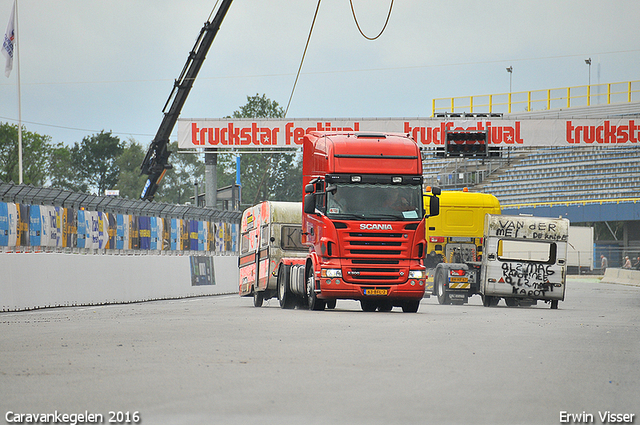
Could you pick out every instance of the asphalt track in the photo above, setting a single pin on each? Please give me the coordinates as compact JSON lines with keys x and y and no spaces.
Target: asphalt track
{"x":219,"y":360}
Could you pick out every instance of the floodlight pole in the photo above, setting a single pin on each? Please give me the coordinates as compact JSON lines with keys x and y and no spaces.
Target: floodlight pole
{"x":510,"y":71}
{"x":588,"y":62}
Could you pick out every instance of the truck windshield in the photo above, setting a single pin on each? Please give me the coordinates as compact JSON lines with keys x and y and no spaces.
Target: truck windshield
{"x":375,"y":202}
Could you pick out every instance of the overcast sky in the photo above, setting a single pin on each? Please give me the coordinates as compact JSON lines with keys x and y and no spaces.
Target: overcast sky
{"x":89,"y":65}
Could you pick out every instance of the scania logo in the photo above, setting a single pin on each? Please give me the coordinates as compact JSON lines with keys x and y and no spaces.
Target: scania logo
{"x":353,"y":273}
{"x":375,"y":226}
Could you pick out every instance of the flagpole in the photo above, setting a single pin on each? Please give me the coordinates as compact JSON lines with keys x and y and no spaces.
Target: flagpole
{"x":17,"y":51}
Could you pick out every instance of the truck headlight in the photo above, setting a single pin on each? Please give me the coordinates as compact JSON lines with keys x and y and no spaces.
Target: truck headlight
{"x":331,"y":273}
{"x":416,"y":274}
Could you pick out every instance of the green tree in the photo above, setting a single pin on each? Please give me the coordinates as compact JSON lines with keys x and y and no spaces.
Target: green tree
{"x":264,"y":176}
{"x":130,"y":182}
{"x":259,"y":107}
{"x":63,"y":172}
{"x":35,"y":155}
{"x":95,"y":158}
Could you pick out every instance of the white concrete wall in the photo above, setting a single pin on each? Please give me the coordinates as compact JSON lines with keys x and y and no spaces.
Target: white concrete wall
{"x":30,"y":280}
{"x":629,"y":277}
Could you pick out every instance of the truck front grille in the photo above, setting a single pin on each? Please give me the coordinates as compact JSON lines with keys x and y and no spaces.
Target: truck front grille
{"x":373,"y":257}
{"x":374,"y":244}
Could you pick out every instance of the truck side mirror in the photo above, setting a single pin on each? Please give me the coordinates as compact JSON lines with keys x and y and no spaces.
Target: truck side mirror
{"x":309,"y":188}
{"x":310,"y":203}
{"x":434,"y":205}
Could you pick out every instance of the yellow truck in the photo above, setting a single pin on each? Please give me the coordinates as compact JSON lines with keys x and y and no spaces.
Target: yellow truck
{"x":454,"y":244}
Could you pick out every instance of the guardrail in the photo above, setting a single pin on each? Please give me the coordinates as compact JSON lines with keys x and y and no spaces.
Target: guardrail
{"x":568,"y":203}
{"x":541,"y":100}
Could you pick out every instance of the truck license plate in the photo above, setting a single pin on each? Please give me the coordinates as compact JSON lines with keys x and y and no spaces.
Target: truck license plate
{"x":376,"y":291}
{"x":459,"y":279}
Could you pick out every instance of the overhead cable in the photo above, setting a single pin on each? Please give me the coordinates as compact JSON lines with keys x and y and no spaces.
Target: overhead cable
{"x":358,"y":25}
{"x":302,"y":60}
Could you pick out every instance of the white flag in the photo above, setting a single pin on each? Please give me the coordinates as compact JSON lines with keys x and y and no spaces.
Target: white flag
{"x":9,"y":42}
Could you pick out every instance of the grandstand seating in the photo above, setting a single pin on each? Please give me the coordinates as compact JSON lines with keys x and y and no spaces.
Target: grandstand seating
{"x":568,"y":174}
{"x":552,"y":174}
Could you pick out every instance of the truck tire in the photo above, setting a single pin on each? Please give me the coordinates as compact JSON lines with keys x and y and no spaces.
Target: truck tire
{"x":258,"y":298}
{"x":314,"y":302}
{"x":385,"y":306}
{"x":286,"y":297}
{"x":554,"y":304}
{"x":489,"y":301}
{"x":441,"y":291}
{"x":368,"y":305}
{"x":411,"y":306}
{"x":331,"y":304}
{"x":511,"y":302}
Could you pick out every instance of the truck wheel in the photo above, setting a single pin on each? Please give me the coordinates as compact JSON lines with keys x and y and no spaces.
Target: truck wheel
{"x":443,"y":297}
{"x":314,"y":302}
{"x":287,"y":300}
{"x":411,"y":306}
{"x":331,"y":304}
{"x":554,"y":304}
{"x":489,"y":301}
{"x":385,"y":306}
{"x":511,"y":302}
{"x":258,"y":298}
{"x":368,"y":305}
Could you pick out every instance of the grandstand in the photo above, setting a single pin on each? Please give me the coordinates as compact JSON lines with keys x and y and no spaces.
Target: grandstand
{"x":591,"y":185}
{"x":568,"y":174}
{"x":550,"y":174}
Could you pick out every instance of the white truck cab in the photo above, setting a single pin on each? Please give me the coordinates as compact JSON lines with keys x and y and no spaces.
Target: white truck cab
{"x":525,"y":260}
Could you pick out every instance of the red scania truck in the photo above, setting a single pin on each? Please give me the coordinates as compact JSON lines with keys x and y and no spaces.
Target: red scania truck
{"x":363,"y":221}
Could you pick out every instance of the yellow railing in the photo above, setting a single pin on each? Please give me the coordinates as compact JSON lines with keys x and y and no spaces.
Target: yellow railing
{"x":541,"y":100}
{"x":568,"y":203}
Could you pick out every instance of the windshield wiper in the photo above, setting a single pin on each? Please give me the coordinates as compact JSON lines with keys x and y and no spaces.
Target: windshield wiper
{"x":381,"y":216}
{"x":353,"y":216}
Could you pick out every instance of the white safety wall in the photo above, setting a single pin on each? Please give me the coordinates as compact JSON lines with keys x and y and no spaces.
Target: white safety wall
{"x":39,"y":280}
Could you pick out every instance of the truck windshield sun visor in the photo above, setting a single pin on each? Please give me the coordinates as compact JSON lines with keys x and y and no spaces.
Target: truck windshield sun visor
{"x":375,"y":179}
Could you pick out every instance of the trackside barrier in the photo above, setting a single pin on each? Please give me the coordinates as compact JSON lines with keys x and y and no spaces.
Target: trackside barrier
{"x":60,"y":248}
{"x":629,"y":277}
{"x":32,"y":281}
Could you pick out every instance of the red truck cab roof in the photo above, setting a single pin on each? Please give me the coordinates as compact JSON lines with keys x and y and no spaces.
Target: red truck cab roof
{"x":364,"y":153}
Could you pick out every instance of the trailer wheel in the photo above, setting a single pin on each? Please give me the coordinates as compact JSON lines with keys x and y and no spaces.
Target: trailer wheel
{"x":258,"y":298}
{"x":554,"y":304}
{"x":314,"y":302}
{"x":411,"y":306}
{"x":443,"y":297}
{"x":287,"y":300}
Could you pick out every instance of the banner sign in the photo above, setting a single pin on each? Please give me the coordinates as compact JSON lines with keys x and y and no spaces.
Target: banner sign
{"x":427,"y":132}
